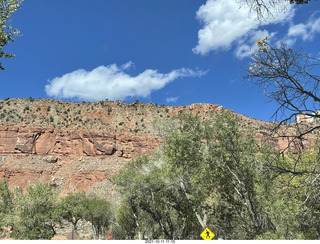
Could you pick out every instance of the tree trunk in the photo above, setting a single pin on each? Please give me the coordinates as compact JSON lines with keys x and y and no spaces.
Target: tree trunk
{"x":202,"y":221}
{"x":135,"y":215}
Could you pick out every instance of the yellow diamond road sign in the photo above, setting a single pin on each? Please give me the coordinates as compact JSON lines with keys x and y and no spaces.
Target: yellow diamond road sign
{"x":207,"y":234}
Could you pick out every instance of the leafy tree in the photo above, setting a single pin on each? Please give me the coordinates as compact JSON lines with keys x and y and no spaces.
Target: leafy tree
{"x":153,"y":204}
{"x":6,"y":200}
{"x":73,"y":208}
{"x":126,"y":226}
{"x":35,"y":213}
{"x":210,"y":173}
{"x":98,"y":213}
{"x":299,"y":174}
{"x":7,"y":8}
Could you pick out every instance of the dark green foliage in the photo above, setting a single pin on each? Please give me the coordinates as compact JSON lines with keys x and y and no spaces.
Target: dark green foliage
{"x":35,"y":213}
{"x":127,"y":226}
{"x":73,"y":208}
{"x":98,"y":212}
{"x":26,"y":108}
{"x":109,"y":110}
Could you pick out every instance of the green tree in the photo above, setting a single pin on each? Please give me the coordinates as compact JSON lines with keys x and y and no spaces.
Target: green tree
{"x":216,"y":162}
{"x":35,"y":213}
{"x":98,"y":213}
{"x":7,"y":8}
{"x":297,"y":173}
{"x":210,"y":173}
{"x":6,"y":201}
{"x":125,"y":228}
{"x":152,"y":203}
{"x":73,"y":208}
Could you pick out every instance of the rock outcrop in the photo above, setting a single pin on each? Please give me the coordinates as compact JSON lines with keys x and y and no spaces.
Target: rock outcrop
{"x":78,"y":146}
{"x":27,"y":140}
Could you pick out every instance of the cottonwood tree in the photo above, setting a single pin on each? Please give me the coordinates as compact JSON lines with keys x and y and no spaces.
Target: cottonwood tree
{"x":152,"y":207}
{"x":208,"y":174}
{"x":7,"y":33}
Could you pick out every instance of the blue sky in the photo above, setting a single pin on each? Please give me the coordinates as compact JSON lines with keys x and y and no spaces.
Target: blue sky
{"x":173,"y":52}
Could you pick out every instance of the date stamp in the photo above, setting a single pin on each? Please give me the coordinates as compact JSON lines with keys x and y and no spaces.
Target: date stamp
{"x":160,"y":241}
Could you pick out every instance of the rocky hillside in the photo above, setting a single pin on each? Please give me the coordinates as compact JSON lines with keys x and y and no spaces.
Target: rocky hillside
{"x":78,"y":146}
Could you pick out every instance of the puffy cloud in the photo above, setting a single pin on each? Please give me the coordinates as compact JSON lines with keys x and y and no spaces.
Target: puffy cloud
{"x":172,"y":99}
{"x":306,"y":31}
{"x":225,"y":21}
{"x":112,"y":82}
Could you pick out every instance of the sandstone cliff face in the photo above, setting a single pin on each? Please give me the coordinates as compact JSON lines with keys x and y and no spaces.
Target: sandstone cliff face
{"x":79,"y":146}
{"x":26,"y":140}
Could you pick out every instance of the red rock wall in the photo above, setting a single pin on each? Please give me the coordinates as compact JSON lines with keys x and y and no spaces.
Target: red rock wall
{"x":39,"y":141}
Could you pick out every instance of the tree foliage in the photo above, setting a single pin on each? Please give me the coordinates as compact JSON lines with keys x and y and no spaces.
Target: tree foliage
{"x":35,"y":213}
{"x":7,"y":33}
{"x":78,"y":206}
{"x":73,"y":207}
{"x":6,"y":200}
{"x":210,"y":173}
{"x":98,"y":212}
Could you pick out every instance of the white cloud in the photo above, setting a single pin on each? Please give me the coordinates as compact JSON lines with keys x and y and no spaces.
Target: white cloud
{"x":248,"y":49}
{"x":224,"y":22}
{"x":306,"y":31}
{"x":288,"y":41}
{"x":112,"y":82}
{"x":172,"y":99}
